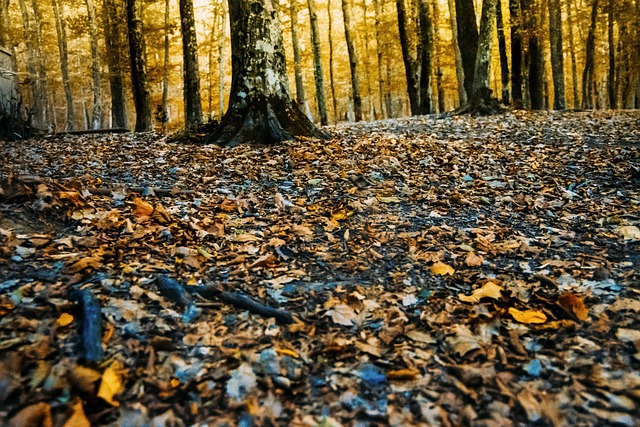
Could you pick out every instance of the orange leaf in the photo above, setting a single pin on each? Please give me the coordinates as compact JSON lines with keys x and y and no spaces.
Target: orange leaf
{"x":488,"y":290}
{"x":573,"y":304}
{"x":528,"y":316}
{"x":142,"y":210}
{"x":473,"y":260}
{"x":403,"y":374}
{"x":65,"y":319}
{"x":442,"y":269}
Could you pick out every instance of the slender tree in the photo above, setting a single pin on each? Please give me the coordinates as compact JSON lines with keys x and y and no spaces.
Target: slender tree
{"x":97,"y":115}
{"x":462,"y":93}
{"x":297,"y":61}
{"x":410,"y":66}
{"x":535,"y":70}
{"x":574,"y":62}
{"x":137,"y":53}
{"x":516,"y":53}
{"x":467,"y":40}
{"x":353,"y":59}
{"x":317,"y":63}
{"x":164,"y":108}
{"x":191,"y":73}
{"x":426,"y":46}
{"x":379,"y":52}
{"x":61,"y":30}
{"x":504,"y":60}
{"x":611,"y":81}
{"x":111,"y":16}
{"x":331,"y":76}
{"x":260,"y":106}
{"x":37,"y":90}
{"x":221,"y":56}
{"x":436,"y":54}
{"x":557,"y":55}
{"x":588,"y":76}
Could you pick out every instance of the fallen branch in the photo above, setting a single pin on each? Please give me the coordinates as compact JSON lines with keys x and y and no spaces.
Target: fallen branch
{"x":91,"y":335}
{"x":175,"y":292}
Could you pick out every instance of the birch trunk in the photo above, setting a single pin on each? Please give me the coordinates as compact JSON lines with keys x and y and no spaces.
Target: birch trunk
{"x":97,"y":119}
{"x":317,"y":63}
{"x":137,"y":53}
{"x":61,"y":31}
{"x":37,"y":98}
{"x":353,"y":60}
{"x":191,"y":72}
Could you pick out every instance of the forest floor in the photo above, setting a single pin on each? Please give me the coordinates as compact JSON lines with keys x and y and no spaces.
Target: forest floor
{"x":421,"y":271}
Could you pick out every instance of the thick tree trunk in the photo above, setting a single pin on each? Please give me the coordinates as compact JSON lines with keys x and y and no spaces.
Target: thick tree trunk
{"x":485,"y":39}
{"x":426,"y":46}
{"x":611,"y":85}
{"x":588,"y":76}
{"x":137,"y":53}
{"x":191,"y":73}
{"x":61,"y":31}
{"x":260,"y":107}
{"x":331,"y":76}
{"x":574,"y":63}
{"x":462,"y":93}
{"x":112,"y":14}
{"x":504,"y":60}
{"x":297,"y":62}
{"x":467,"y":40}
{"x":379,"y":52}
{"x":353,"y":59}
{"x":409,"y":62}
{"x":163,"y":117}
{"x":516,"y":53}
{"x":557,"y":55}
{"x":98,"y":121}
{"x":317,"y":63}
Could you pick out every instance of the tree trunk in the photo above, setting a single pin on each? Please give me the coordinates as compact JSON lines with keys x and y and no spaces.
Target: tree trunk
{"x":611,"y":86}
{"x":113,"y":41}
{"x":588,"y":76}
{"x":485,"y":39}
{"x":61,"y":31}
{"x":331,"y":76}
{"x":574,"y":64}
{"x":462,"y":93}
{"x":98,"y":121}
{"x":317,"y":63}
{"x":221,"y":51}
{"x":557,"y":55}
{"x":467,"y":40}
{"x":353,"y":60}
{"x":297,"y":62}
{"x":516,"y":53}
{"x":535,"y":70}
{"x":191,"y":73}
{"x":504,"y":60}
{"x":260,"y":107}
{"x":379,"y":52}
{"x":436,"y":51}
{"x":163,"y":117}
{"x":137,"y":52}
{"x":37,"y":99}
{"x":426,"y":46}
{"x":409,"y":63}
{"x":367,"y":60}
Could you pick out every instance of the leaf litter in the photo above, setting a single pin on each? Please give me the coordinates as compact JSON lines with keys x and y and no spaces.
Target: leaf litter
{"x":460,"y":271}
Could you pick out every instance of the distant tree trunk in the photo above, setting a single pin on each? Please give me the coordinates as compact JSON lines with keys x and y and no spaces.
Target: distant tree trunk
{"x":516,"y":53}
{"x":426,"y":46}
{"x":467,"y":40}
{"x":297,"y":63}
{"x":164,"y":108}
{"x":49,"y":110}
{"x":574,"y":64}
{"x":367,"y":60}
{"x":353,"y":59}
{"x":97,"y":116}
{"x":535,"y":71}
{"x":436,"y":52}
{"x":138,"y":56}
{"x":261,"y":110}
{"x":331,"y":76}
{"x":588,"y":76}
{"x":379,"y":51}
{"x":504,"y":60}
{"x":611,"y":86}
{"x":221,"y":51}
{"x":4,"y":22}
{"x":190,"y":72}
{"x":113,"y":42}
{"x":37,"y":98}
{"x":485,"y":39}
{"x":61,"y":31}
{"x":317,"y":63}
{"x":410,"y":65}
{"x":462,"y":93}
{"x":557,"y":55}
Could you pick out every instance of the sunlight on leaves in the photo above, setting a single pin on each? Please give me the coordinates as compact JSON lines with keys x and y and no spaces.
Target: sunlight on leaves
{"x":528,"y":316}
{"x":488,"y":290}
{"x":442,"y":269}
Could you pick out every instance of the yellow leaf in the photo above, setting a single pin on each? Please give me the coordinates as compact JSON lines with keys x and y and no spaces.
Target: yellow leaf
{"x":391,"y":199}
{"x":488,"y":290}
{"x":473,"y":260}
{"x":142,"y":210}
{"x":528,"y":316}
{"x":286,"y":352}
{"x":202,"y":251}
{"x":111,"y":383}
{"x":403,"y":374}
{"x":573,"y":304}
{"x":65,"y":319}
{"x":442,"y":269}
{"x":77,"y":418}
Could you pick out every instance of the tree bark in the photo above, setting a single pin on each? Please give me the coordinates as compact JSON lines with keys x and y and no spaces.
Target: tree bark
{"x":137,"y":53}
{"x":611,"y":85}
{"x":574,"y":64}
{"x":163,"y":117}
{"x":353,"y":60}
{"x":557,"y":55}
{"x":462,"y":93}
{"x":379,"y":52}
{"x":317,"y":63}
{"x":61,"y":31}
{"x":426,"y":46}
{"x":485,"y":39}
{"x":113,"y":42}
{"x":191,"y":72}
{"x":588,"y":76}
{"x":97,"y":116}
{"x":436,"y":52}
{"x":367,"y":60}
{"x":504,"y":60}
{"x":221,"y":52}
{"x":516,"y":53}
{"x":260,"y":107}
{"x":331,"y":76}
{"x":297,"y":62}
{"x":410,"y":65}
{"x":467,"y":40}
{"x":535,"y":61}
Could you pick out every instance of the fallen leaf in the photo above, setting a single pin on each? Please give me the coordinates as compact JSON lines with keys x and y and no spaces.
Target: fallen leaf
{"x":391,"y":199}
{"x":488,"y":290}
{"x":65,"y":319}
{"x":242,"y":382}
{"x":342,"y":314}
{"x":441,"y":269}
{"x":473,"y":260}
{"x":403,"y":374}
{"x":628,"y":232}
{"x":111,"y":383}
{"x":628,"y":335}
{"x":77,"y":418}
{"x":142,"y":210}
{"x":528,"y":316}
{"x":38,"y":415}
{"x":573,"y":304}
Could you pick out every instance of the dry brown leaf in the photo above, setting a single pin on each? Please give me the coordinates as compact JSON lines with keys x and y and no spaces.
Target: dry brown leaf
{"x":342,"y":314}
{"x":38,"y":415}
{"x":142,"y":210}
{"x":628,"y":232}
{"x":573,"y":304}
{"x":473,"y":260}
{"x":84,"y":264}
{"x":403,"y":374}
{"x":488,"y":290}
{"x":528,"y":316}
